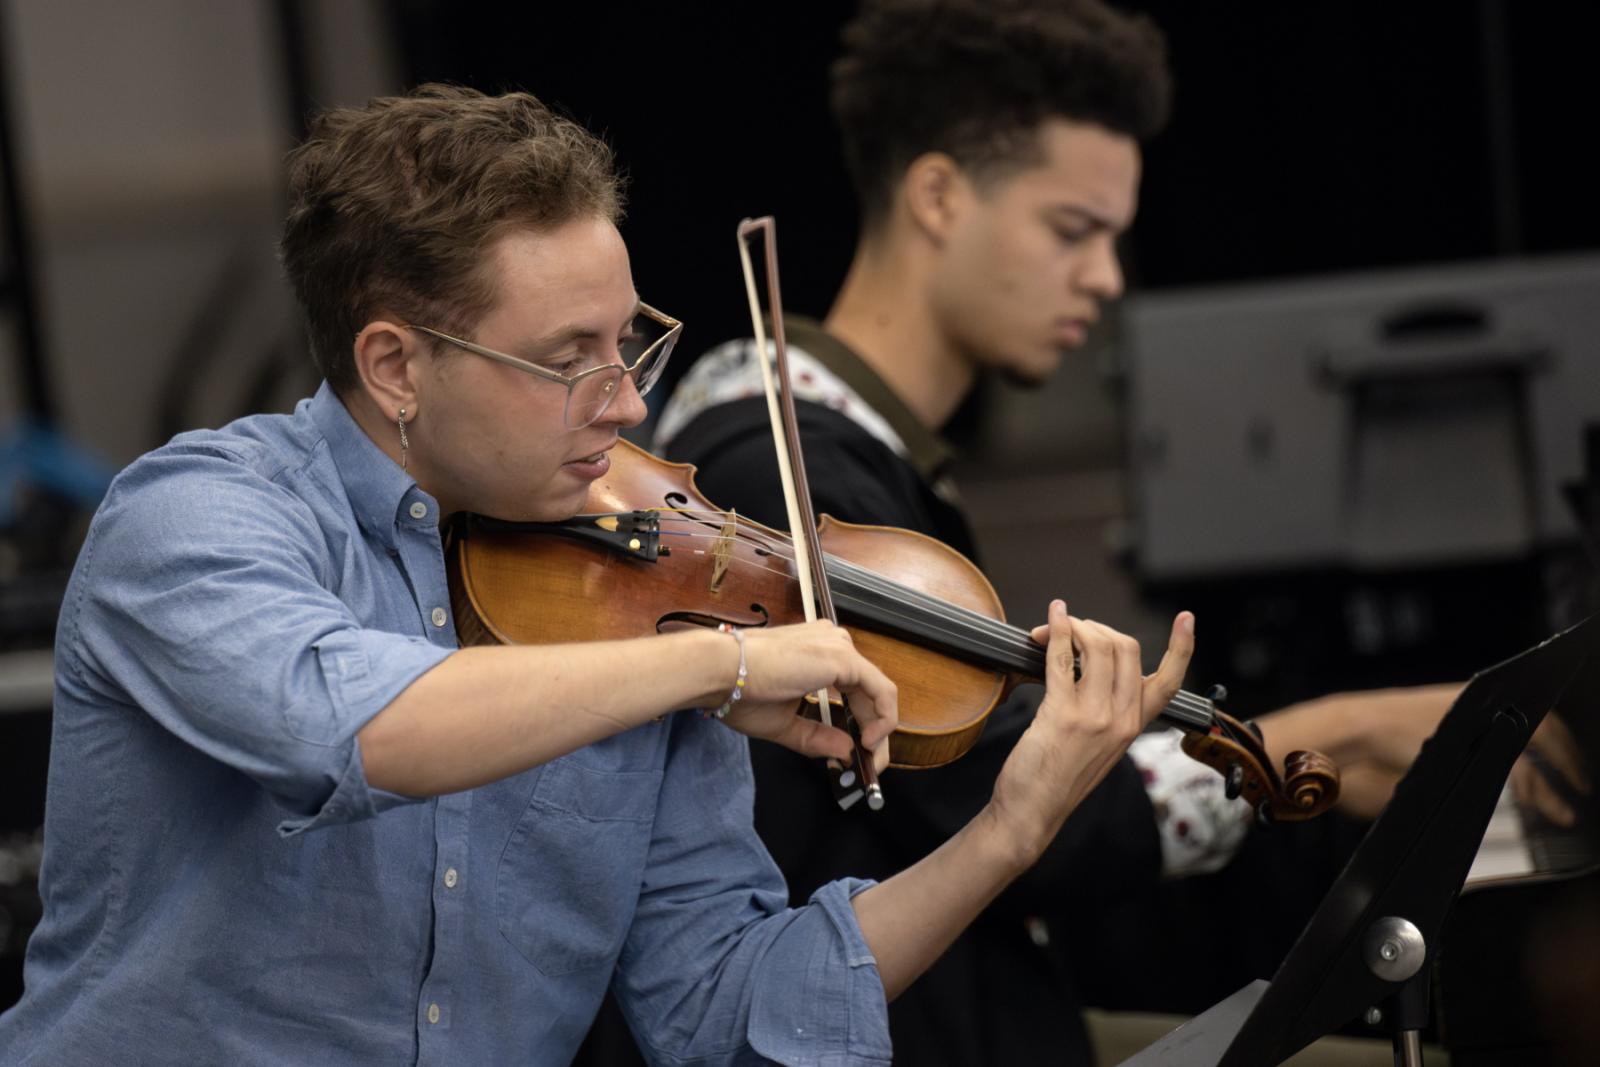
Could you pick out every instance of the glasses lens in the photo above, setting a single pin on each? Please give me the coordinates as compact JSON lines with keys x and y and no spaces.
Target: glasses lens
{"x":644,"y":353}
{"x":591,"y":395}
{"x":647,"y":351}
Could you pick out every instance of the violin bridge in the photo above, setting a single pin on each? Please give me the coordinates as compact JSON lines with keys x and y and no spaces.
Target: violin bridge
{"x":722,"y":551}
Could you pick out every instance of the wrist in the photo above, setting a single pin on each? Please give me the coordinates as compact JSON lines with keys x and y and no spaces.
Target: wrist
{"x":1010,"y":844}
{"x":715,"y":657}
{"x":736,"y":693}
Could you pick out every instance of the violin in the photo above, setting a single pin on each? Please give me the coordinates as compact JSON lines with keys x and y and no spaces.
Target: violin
{"x":650,"y":554}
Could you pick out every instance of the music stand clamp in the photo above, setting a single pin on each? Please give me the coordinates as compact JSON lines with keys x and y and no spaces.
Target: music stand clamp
{"x":1368,"y":949}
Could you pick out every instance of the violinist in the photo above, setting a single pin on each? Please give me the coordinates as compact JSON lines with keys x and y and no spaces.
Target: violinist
{"x":995,"y":152}
{"x":291,"y":822}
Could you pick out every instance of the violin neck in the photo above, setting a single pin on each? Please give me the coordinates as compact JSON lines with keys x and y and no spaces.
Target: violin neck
{"x":889,"y":607}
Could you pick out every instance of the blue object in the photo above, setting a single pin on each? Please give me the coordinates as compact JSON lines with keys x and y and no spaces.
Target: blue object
{"x":34,"y":454}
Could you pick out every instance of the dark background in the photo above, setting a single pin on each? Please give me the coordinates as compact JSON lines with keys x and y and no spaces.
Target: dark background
{"x":1305,"y":139}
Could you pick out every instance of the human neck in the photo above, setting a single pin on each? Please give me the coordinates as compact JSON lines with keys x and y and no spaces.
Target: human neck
{"x":386,"y":435}
{"x":883,"y":313}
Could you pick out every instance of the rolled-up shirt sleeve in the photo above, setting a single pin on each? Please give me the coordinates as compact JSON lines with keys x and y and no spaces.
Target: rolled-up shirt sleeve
{"x":206,"y":601}
{"x":716,"y":969}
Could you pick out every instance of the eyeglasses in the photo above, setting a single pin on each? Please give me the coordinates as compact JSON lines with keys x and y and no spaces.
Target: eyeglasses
{"x":591,"y":390}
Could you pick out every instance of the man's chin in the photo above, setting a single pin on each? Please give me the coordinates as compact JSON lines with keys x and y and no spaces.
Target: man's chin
{"x":1030,"y":375}
{"x":548,"y":507}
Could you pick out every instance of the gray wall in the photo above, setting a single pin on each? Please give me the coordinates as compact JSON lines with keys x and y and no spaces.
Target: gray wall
{"x":150,"y":138}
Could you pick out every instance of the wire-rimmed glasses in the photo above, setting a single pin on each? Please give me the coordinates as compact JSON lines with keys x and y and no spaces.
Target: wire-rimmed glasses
{"x":590,"y":391}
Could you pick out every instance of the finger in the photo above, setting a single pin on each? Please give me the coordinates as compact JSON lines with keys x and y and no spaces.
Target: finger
{"x":1097,"y":660}
{"x":1533,"y":790}
{"x":1165,"y":681}
{"x":875,"y":701}
{"x":1128,"y":687}
{"x":880,"y":756}
{"x":1040,"y":633}
{"x":1554,"y":743}
{"x":1058,"y":675}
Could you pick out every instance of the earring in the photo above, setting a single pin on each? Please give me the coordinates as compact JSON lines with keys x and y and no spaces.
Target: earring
{"x":405,"y":446}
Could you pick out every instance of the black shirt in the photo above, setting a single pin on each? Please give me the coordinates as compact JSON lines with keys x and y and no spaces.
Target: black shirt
{"x":999,"y":995}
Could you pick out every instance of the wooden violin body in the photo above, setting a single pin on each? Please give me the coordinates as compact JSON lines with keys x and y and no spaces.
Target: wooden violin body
{"x":510,"y":587}
{"x":650,"y":555}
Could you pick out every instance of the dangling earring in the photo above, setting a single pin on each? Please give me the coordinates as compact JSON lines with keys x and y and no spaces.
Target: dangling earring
{"x":405,"y":446}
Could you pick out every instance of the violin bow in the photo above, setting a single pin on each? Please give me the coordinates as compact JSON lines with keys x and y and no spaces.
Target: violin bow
{"x":815,"y":597}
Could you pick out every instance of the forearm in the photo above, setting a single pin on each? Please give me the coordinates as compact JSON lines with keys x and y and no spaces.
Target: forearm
{"x":1082,"y":728}
{"x":486,"y":713}
{"x":913,"y":917}
{"x":1342,"y":726}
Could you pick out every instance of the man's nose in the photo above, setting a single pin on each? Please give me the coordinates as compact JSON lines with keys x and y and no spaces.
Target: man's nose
{"x":627,"y":408}
{"x":1101,"y":275}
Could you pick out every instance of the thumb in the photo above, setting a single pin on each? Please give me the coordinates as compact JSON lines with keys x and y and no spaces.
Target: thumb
{"x":811,"y":738}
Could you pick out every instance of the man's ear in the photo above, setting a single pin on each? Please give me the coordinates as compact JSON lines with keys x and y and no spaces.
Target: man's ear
{"x":933,"y":191}
{"x":384,"y":355}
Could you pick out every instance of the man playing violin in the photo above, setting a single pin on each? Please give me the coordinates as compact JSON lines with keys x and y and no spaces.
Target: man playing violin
{"x":995,"y":152}
{"x":291,"y":822}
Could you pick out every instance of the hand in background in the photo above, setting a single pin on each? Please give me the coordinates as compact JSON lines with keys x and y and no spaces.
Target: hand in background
{"x":1374,"y":737}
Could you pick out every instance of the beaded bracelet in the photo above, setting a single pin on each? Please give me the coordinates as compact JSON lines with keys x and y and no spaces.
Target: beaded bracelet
{"x":738,"y":682}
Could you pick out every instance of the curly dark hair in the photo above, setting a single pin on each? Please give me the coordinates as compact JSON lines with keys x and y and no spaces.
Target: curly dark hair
{"x":975,"y":78}
{"x":394,"y":205}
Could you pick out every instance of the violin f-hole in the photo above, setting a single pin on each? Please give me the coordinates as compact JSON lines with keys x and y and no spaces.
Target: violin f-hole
{"x":675,"y":621}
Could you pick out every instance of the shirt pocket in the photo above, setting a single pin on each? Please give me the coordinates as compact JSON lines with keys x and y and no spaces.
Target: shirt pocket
{"x":570,"y":874}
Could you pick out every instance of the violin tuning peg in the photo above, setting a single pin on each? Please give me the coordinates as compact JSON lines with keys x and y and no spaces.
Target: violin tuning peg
{"x":1264,"y":812}
{"x":1234,"y":785}
{"x":1217,"y":694}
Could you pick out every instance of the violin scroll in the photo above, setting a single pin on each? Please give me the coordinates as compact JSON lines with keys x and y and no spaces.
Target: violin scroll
{"x":1311,"y":780}
{"x":1308,"y":786}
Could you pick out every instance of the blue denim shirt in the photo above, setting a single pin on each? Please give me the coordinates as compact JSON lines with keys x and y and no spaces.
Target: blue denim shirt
{"x":222,"y":886}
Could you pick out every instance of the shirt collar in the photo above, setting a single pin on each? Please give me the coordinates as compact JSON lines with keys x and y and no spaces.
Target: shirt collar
{"x":381,"y":494}
{"x":928,"y":452}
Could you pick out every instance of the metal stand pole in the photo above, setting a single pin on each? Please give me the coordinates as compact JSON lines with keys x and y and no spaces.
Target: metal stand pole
{"x":1408,"y":1014}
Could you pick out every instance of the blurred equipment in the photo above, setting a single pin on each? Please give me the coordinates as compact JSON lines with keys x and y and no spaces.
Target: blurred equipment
{"x":46,"y":483}
{"x":1370,"y":422}
{"x":47,"y":487}
{"x":1370,"y":463}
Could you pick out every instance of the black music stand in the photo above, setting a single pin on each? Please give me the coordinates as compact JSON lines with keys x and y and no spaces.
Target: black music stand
{"x":1371,"y":941}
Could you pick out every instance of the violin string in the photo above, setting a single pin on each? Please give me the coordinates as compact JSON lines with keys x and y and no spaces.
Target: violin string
{"x":1016,"y":638}
{"x":934,"y":618}
{"x":996,"y":628}
{"x":1002,"y":636}
{"x":996,"y":635}
{"x":993,"y":635}
{"x":1012,"y":636}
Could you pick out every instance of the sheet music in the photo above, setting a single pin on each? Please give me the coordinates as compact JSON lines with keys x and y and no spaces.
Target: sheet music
{"x":1504,"y":852}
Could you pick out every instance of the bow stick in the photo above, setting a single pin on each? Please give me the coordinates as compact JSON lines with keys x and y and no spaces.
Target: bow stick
{"x":814,"y":595}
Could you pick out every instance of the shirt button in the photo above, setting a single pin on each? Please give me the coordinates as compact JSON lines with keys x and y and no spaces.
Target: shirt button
{"x":439,"y":616}
{"x":419,"y":510}
{"x":433,"y":1013}
{"x":450,"y":878}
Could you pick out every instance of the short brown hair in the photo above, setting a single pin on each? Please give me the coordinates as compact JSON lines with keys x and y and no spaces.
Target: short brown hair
{"x":976,"y":78}
{"x":393,"y":205}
